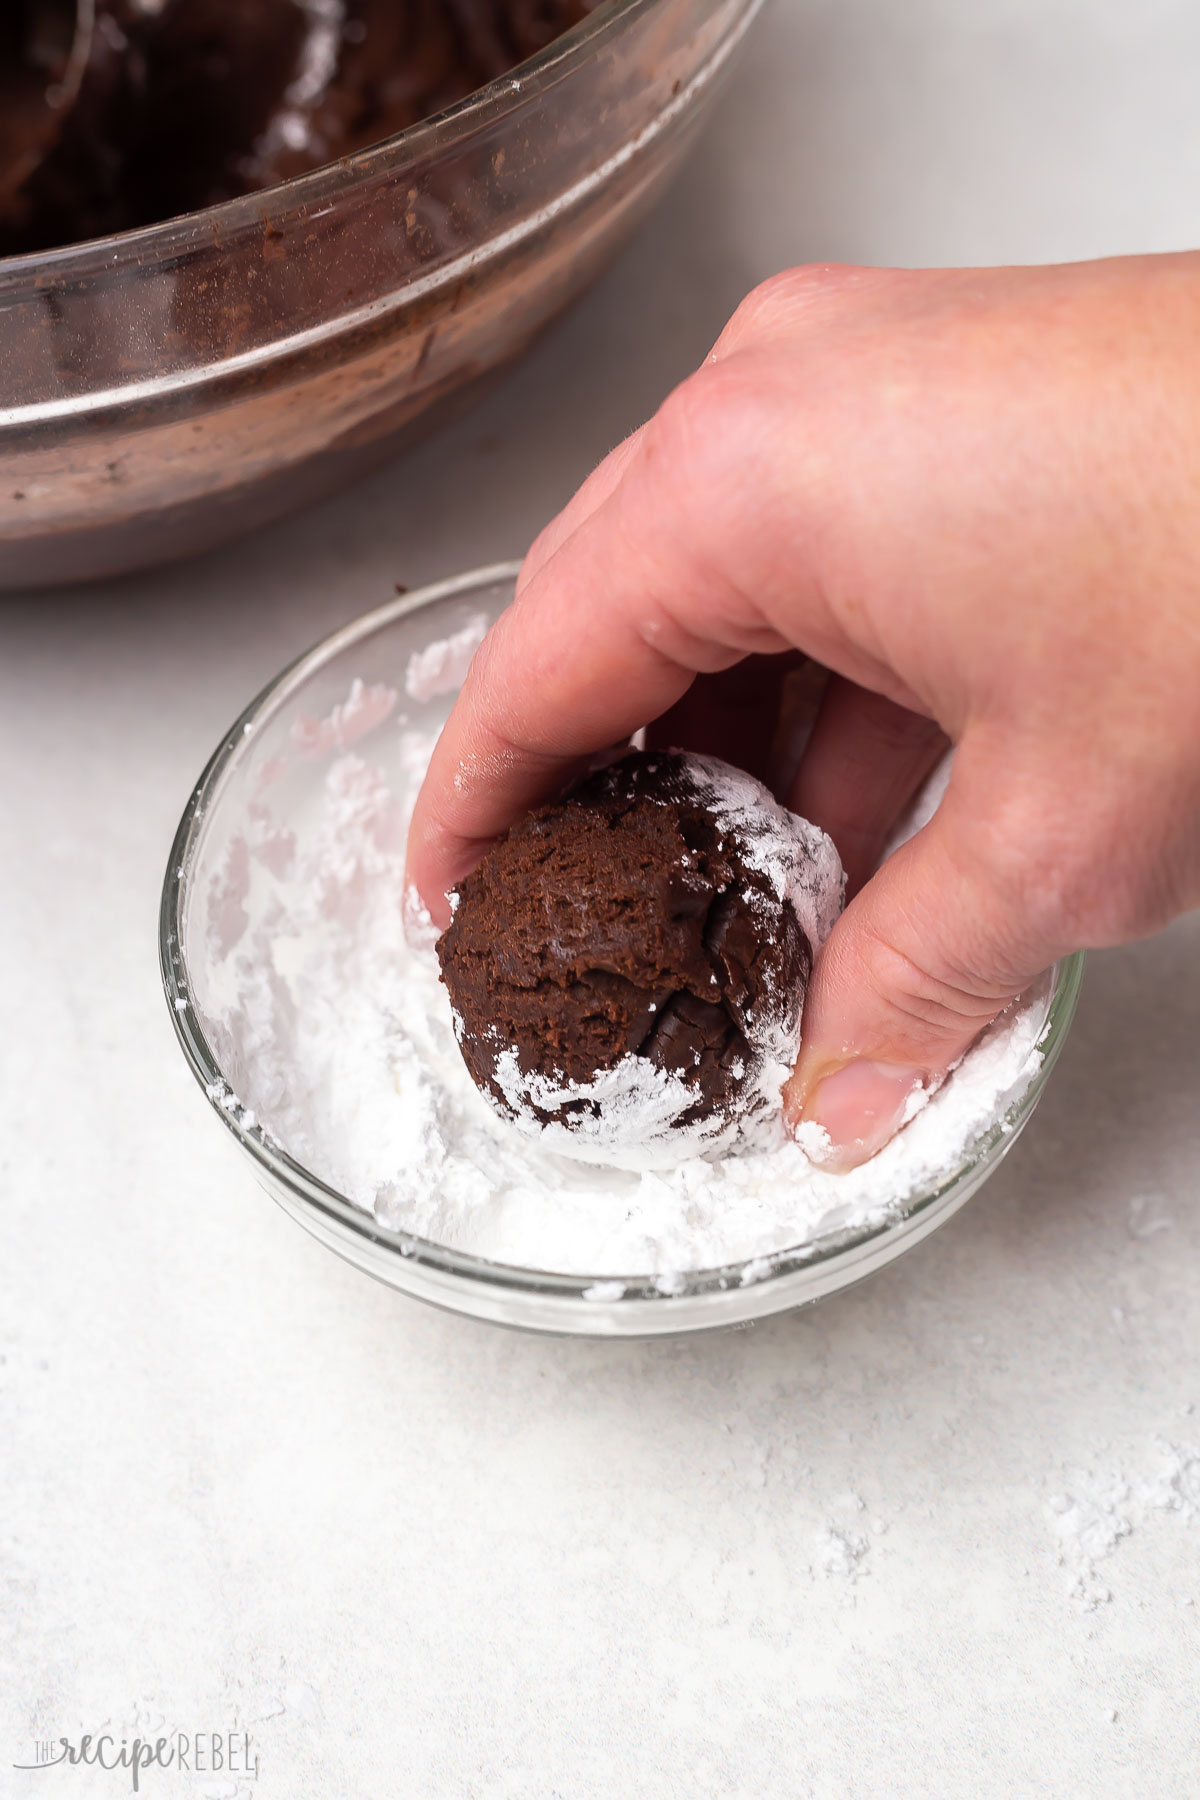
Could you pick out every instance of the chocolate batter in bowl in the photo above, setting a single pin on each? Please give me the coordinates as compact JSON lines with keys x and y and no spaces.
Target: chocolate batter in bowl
{"x":172,"y":384}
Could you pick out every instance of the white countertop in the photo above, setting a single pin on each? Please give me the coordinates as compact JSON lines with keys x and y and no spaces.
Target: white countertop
{"x":244,"y":1487}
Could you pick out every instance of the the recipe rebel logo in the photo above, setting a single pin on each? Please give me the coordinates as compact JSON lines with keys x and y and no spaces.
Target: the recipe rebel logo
{"x":229,"y":1754}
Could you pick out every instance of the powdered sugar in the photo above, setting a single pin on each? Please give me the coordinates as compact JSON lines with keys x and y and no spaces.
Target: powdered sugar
{"x":798,"y":861}
{"x":1099,"y":1507}
{"x":636,"y":1118}
{"x":336,"y":1033}
{"x":442,"y":665}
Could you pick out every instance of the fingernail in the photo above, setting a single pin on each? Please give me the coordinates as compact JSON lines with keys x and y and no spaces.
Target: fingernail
{"x":857,"y":1110}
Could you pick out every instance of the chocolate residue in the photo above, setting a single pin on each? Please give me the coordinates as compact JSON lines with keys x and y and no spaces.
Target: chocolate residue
{"x":162,"y":106}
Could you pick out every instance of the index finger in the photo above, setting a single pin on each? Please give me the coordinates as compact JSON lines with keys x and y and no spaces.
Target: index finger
{"x":678,"y":571}
{"x":562,"y":674}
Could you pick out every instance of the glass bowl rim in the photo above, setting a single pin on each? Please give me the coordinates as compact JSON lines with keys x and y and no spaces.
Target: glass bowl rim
{"x":33,"y":272}
{"x":275,"y":1163}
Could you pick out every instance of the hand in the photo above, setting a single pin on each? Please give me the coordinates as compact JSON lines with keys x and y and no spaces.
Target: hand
{"x":975,"y":497}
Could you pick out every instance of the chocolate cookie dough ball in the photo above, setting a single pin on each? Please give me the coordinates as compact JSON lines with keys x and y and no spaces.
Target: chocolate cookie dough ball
{"x":627,"y":968}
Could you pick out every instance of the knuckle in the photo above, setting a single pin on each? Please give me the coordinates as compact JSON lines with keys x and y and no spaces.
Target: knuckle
{"x":1054,"y":876}
{"x":727,"y":480}
{"x":701,"y":428}
{"x":945,"y":1006}
{"x":680,"y":424}
{"x":763,"y":310}
{"x":777,"y":304}
{"x":538,"y":553}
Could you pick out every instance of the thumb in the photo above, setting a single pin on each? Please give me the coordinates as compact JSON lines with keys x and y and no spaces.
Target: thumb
{"x":930,"y":951}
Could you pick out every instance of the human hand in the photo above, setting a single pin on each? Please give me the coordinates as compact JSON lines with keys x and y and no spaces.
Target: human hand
{"x":973,"y":495}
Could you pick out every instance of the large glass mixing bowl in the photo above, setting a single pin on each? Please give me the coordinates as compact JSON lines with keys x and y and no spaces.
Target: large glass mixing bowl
{"x":273,"y":746}
{"x":166,"y":389}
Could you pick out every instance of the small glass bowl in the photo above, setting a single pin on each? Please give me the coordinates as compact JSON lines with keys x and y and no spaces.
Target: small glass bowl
{"x":373,"y":650}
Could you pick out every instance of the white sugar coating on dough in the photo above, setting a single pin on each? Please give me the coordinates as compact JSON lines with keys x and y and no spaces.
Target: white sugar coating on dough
{"x":633,"y":1113}
{"x":797,"y":858}
{"x":339,"y":1037}
{"x":636,"y":1125}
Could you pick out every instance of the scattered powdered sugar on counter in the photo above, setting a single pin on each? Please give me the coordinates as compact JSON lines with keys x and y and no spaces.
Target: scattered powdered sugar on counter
{"x":1148,"y":1215}
{"x":337,"y":1035}
{"x":841,"y":1552}
{"x":1098,"y":1508}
